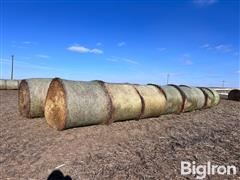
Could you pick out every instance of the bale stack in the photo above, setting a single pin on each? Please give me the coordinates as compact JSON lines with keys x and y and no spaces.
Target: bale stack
{"x":77,"y":103}
{"x":31,"y":97}
{"x":9,"y":84}
{"x":234,"y":95}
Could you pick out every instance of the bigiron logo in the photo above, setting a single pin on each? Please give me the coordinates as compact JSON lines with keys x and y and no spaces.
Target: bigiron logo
{"x":201,"y":171}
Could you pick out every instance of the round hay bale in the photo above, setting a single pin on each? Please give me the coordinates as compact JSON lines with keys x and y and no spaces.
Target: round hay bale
{"x":31,"y":97}
{"x":209,"y":96}
{"x":234,"y":95}
{"x":216,"y":97}
{"x":12,"y":84}
{"x":3,"y":84}
{"x":126,"y":100}
{"x":154,"y":100}
{"x":195,"y":98}
{"x":175,"y":99}
{"x":77,"y":103}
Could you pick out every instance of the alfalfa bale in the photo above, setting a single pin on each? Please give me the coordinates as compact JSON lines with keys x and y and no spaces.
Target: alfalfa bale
{"x":31,"y":96}
{"x":195,"y":98}
{"x":126,"y":100}
{"x":77,"y":103}
{"x":175,"y":99}
{"x":154,"y":100}
{"x":234,"y":95}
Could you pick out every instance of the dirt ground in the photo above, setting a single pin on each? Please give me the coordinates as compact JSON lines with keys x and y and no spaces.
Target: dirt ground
{"x":145,"y":149}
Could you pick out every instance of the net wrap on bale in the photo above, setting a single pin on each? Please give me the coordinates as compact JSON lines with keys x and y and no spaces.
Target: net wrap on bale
{"x":79,"y":103}
{"x":31,"y":96}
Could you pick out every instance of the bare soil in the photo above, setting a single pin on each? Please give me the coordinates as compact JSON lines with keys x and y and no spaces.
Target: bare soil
{"x":145,"y":149}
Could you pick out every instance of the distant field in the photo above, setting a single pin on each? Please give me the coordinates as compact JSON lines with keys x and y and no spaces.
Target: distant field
{"x":145,"y":149}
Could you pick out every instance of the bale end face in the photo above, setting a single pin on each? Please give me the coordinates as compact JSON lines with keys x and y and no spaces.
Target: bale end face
{"x":56,"y":105}
{"x":24,"y":99}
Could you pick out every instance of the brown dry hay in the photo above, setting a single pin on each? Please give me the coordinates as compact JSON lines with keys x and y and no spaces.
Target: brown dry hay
{"x":56,"y":105}
{"x":24,"y":99}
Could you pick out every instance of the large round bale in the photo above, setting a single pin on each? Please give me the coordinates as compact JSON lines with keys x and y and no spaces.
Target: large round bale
{"x":12,"y":84}
{"x":77,"y":103}
{"x":216,"y":97}
{"x":234,"y":95}
{"x":175,"y":99}
{"x":209,"y":96}
{"x":195,"y":98}
{"x":31,"y":97}
{"x":126,"y":100}
{"x":153,"y":98}
{"x":2,"y":84}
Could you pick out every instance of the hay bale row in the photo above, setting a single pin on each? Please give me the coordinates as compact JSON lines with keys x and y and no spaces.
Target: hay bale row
{"x":68,"y":104}
{"x":9,"y":84}
{"x":77,"y":103}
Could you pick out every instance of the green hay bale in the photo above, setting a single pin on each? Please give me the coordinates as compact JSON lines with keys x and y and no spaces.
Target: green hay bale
{"x":31,"y":97}
{"x":195,"y":98}
{"x":209,"y":96}
{"x":126,"y":101}
{"x":175,"y":99}
{"x":154,"y":100}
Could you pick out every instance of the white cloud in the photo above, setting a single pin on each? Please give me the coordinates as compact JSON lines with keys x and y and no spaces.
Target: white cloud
{"x":129,"y":61}
{"x":121,"y":59}
{"x":162,"y":49}
{"x":99,"y":44}
{"x":121,"y":44}
{"x":204,"y":2}
{"x":43,"y":56}
{"x":82,"y":49}
{"x":238,"y":71}
{"x":27,"y":42}
{"x":224,"y":48}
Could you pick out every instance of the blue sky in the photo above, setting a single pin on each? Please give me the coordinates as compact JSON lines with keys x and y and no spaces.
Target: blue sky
{"x":195,"y":42}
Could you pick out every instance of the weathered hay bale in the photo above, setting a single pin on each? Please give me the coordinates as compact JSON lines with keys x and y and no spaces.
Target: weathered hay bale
{"x":195,"y":98}
{"x":234,"y":95}
{"x":216,"y":97}
{"x":209,"y":96}
{"x":12,"y":84}
{"x":77,"y":103}
{"x":31,"y":97}
{"x":126,"y":100}
{"x":2,"y":84}
{"x":153,"y":100}
{"x":175,"y":99}
{"x":9,"y":84}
